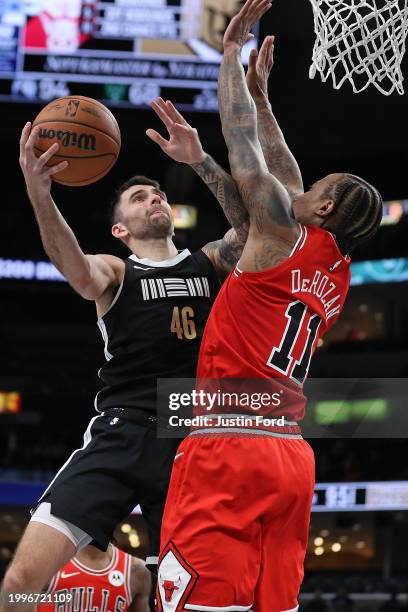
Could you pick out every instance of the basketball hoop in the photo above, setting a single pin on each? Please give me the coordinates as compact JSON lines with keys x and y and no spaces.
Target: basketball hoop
{"x":362,"y":41}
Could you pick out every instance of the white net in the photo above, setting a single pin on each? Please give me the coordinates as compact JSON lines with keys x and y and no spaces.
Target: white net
{"x":362,"y":41}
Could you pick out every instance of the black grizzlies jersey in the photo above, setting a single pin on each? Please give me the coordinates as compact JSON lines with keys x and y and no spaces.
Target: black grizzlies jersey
{"x":154,"y":326}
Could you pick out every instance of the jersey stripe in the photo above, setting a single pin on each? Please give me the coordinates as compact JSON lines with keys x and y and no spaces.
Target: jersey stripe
{"x":216,"y":431}
{"x":128,"y":575}
{"x":201,"y":608}
{"x":302,"y":228}
{"x":166,"y":263}
{"x":115,"y":299}
{"x":304,"y":239}
{"x":86,"y":441}
{"x":160,"y":285}
{"x":145,"y":289}
{"x":53,"y":583}
{"x":88,"y":570}
{"x":104,"y":332}
{"x":191,"y":287}
{"x":153,"y":289}
{"x":206,"y":287}
{"x":200,"y":291}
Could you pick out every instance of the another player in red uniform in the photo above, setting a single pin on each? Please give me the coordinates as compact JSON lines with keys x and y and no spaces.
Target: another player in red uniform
{"x":235,"y":527}
{"x":111,"y":581}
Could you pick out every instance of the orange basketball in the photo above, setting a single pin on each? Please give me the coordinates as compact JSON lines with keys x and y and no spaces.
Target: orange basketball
{"x":88,"y":136}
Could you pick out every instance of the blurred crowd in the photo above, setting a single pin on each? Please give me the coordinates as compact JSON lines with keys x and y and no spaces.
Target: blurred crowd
{"x":343,"y":601}
{"x":356,"y":582}
{"x":351,"y":460}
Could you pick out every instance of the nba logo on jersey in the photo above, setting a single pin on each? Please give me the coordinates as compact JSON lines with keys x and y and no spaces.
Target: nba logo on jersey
{"x":116,"y":578}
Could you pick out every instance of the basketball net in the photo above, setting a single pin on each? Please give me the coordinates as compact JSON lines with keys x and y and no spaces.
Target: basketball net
{"x":362,"y":41}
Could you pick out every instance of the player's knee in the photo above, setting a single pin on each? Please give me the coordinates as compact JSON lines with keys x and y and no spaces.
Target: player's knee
{"x":20,"y":578}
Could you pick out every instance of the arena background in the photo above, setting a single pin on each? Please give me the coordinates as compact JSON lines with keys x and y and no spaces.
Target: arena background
{"x":51,"y":347}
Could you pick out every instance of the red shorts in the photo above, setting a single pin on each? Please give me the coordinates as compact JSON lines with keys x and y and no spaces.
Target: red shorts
{"x":236,"y":524}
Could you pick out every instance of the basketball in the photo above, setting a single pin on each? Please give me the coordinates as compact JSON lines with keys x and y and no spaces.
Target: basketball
{"x":87,"y":133}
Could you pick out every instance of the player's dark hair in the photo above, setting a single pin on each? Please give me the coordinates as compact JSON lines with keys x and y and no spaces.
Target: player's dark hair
{"x":357,"y":214}
{"x":134,"y":180}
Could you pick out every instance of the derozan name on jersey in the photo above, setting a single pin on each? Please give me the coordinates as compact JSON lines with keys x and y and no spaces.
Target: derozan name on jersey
{"x":322,"y":287}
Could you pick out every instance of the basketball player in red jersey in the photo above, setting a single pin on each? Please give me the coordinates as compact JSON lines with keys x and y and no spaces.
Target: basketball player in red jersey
{"x":236,"y":520}
{"x":110,"y":581}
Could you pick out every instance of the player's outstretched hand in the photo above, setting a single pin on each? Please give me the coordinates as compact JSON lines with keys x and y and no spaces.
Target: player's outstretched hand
{"x":37,"y":174}
{"x":259,"y":69}
{"x":183,"y":144}
{"x":239,"y":29}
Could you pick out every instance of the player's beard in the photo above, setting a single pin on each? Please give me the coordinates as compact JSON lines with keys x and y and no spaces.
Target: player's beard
{"x":158,"y":227}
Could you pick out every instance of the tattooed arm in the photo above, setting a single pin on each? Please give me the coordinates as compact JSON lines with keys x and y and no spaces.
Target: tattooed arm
{"x":223,"y":186}
{"x":184,"y":146}
{"x":225,"y":253}
{"x":273,"y":231}
{"x":279,"y":159}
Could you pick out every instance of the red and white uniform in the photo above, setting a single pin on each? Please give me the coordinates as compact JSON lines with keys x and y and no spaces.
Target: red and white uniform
{"x":267,"y":324}
{"x":106,"y":590}
{"x":235,"y":527}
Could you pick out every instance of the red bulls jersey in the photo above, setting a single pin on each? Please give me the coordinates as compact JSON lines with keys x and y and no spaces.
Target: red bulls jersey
{"x":106,"y":590}
{"x":267,"y":324}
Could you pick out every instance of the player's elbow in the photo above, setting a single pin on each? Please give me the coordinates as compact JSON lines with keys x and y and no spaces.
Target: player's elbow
{"x":248,"y":179}
{"x":246,"y":167}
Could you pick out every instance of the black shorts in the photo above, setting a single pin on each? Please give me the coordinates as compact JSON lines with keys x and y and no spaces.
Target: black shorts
{"x":121,"y":463}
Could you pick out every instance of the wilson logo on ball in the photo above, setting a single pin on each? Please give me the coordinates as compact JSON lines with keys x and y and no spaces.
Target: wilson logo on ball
{"x":71,"y":139}
{"x":88,"y":135}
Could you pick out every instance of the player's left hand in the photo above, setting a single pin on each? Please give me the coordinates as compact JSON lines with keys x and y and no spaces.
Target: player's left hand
{"x":184,"y":143}
{"x":259,"y":69}
{"x":239,"y":30}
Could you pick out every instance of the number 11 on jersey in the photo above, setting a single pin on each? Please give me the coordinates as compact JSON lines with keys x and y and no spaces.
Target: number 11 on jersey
{"x":281,"y":357}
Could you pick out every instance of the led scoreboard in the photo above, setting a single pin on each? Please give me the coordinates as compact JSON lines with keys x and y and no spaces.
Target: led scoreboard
{"x":122,"y":52}
{"x":360,"y":496}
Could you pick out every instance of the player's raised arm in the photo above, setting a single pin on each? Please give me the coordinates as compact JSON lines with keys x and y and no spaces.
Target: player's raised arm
{"x":89,"y":275}
{"x":279,"y":159}
{"x":267,"y":201}
{"x":184,"y":146}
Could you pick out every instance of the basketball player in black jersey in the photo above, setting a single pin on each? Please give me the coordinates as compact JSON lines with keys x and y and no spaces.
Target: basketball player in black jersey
{"x":151,"y":308}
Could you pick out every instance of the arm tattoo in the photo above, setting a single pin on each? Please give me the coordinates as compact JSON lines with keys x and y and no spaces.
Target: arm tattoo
{"x":270,"y":253}
{"x":225,"y":253}
{"x":238,"y":116}
{"x":223,"y":186}
{"x":277,"y":154}
{"x":258,"y":188}
{"x":264,"y":196}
